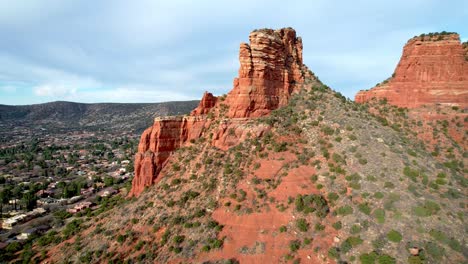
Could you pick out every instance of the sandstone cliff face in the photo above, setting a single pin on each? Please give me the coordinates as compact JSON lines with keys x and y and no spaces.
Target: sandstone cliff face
{"x":271,"y":69}
{"x":432,"y":70}
{"x":207,"y":102}
{"x":158,"y":142}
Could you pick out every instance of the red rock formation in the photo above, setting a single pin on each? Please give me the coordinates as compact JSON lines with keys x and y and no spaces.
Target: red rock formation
{"x":158,"y":142}
{"x":271,"y":70}
{"x":207,"y":102}
{"x":432,"y":70}
{"x":230,"y":133}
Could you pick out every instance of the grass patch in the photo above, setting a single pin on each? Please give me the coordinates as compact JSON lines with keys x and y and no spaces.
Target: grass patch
{"x":344,"y":210}
{"x":379,"y":215}
{"x":394,"y":236}
{"x":427,"y":209}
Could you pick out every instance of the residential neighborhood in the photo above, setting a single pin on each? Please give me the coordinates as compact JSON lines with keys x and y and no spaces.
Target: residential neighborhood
{"x":47,"y":179}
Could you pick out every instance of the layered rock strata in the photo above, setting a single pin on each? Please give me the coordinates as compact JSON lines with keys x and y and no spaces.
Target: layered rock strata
{"x":432,"y":70}
{"x":271,"y":69}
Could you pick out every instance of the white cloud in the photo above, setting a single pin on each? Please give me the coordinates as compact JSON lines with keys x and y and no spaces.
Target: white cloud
{"x":54,"y":90}
{"x":130,"y":94}
{"x":149,"y":51}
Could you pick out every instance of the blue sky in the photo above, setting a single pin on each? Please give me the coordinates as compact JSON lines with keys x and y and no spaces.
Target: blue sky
{"x":153,"y":51}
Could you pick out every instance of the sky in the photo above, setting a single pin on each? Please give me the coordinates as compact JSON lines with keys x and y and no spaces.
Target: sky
{"x":155,"y":51}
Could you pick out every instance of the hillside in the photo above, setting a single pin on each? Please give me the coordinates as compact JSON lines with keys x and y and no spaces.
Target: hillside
{"x":337,"y":188}
{"x":282,"y":169}
{"x":69,"y":115}
{"x":429,"y":89}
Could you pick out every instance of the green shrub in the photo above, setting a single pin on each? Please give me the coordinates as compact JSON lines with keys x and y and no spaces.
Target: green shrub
{"x":333,"y":253}
{"x":200,"y":213}
{"x":344,"y":210}
{"x":282,"y":229}
{"x":415,"y":260}
{"x":328,"y":130}
{"x":371,"y":178}
{"x":338,"y":158}
{"x":178,"y":239}
{"x":337,"y":225}
{"x":379,"y":243}
{"x":319,"y":227}
{"x":13,"y":247}
{"x":434,"y":250}
{"x":121,"y":238}
{"x":379,"y":214}
{"x":355,"y":185}
{"x":280,"y":147}
{"x":427,"y":209}
{"x":312,"y":203}
{"x":394,"y":236}
{"x":386,"y":259}
{"x":215,"y":243}
{"x":139,"y":245}
{"x":256,"y":180}
{"x":441,"y":181}
{"x":176,"y":181}
{"x":299,"y":203}
{"x":165,"y":237}
{"x":439,"y":236}
{"x":72,"y":228}
{"x":354,"y":241}
{"x":294,"y":245}
{"x":378,"y":195}
{"x":368,"y":258}
{"x":313,"y":178}
{"x":453,"y":194}
{"x":349,"y":243}
{"x":364,"y":207}
{"x":302,"y":224}
{"x":353,"y":177}
{"x":205,"y":248}
{"x":355,"y":229}
{"x":455,"y":245}
{"x":333,"y":196}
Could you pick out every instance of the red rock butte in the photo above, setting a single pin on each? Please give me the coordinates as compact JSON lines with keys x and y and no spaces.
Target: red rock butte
{"x":271,"y":70}
{"x":432,"y":70}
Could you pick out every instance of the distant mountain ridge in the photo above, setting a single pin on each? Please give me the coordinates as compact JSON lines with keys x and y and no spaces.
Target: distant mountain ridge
{"x":62,"y":114}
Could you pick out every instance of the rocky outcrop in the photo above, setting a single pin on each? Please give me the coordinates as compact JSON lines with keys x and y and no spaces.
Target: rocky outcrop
{"x":271,"y":69}
{"x":231,"y":132}
{"x":207,"y":102}
{"x":158,"y":142}
{"x":432,"y":70}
